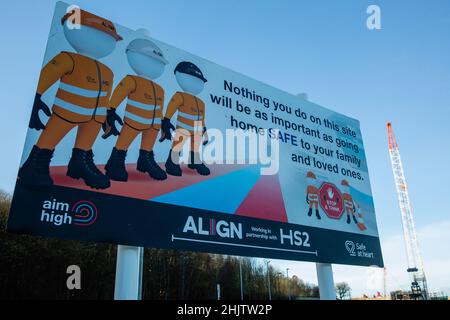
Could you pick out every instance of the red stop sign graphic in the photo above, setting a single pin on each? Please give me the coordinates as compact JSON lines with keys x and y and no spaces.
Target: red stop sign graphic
{"x":331,"y":200}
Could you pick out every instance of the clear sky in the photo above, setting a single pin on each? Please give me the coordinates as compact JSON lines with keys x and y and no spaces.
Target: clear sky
{"x":400,"y":73}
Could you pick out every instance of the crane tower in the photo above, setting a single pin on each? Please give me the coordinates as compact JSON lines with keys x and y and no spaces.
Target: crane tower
{"x":415,"y":265}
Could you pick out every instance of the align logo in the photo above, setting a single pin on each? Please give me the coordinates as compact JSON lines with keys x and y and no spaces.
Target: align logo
{"x":82,"y":214}
{"x":213,"y":227}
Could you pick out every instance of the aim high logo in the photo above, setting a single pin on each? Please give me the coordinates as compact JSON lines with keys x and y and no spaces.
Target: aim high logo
{"x":82,"y":214}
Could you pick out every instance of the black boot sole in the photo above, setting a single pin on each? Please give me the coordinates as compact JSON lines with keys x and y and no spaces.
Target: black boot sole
{"x":91,"y":185}
{"x":175,"y":174}
{"x":151,"y":175}
{"x":114,"y":178}
{"x":195,"y":169}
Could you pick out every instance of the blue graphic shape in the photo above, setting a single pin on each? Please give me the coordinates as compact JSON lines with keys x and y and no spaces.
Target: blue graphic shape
{"x":224,"y":194}
{"x":362,"y":197}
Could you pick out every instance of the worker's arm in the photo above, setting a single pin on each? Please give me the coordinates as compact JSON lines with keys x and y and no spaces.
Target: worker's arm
{"x":174,"y":104}
{"x":172,"y":107}
{"x":204,"y":117}
{"x":123,"y":90}
{"x":59,"y":66}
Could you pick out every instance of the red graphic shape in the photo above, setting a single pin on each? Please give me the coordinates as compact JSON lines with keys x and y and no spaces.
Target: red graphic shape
{"x":140,"y":185}
{"x":331,"y":200}
{"x":264,"y":201}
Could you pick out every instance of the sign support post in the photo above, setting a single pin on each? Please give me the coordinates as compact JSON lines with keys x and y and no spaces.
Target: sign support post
{"x":128,"y":273}
{"x":326,"y":282}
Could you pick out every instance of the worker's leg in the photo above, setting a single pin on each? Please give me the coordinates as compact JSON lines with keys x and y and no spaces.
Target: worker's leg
{"x":126,"y":137}
{"x":146,"y":162}
{"x":115,"y":167}
{"x":181,"y":137}
{"x":173,"y":162}
{"x":81,"y":165}
{"x":35,"y":171}
{"x":196,"y":161}
{"x":354,"y":216}
{"x":55,"y":130}
{"x":87,"y":134}
{"x":148,"y":139}
{"x":310,"y":207}
{"x":316,"y":205}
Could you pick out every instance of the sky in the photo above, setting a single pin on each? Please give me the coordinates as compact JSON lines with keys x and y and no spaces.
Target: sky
{"x":400,"y":73}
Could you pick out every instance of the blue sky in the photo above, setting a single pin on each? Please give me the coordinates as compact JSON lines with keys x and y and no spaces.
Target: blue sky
{"x":400,"y":73}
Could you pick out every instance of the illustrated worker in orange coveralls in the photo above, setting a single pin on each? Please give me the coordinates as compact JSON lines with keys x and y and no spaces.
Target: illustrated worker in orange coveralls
{"x":143,"y":113}
{"x":349,"y":205}
{"x":312,"y":195}
{"x":81,"y":102}
{"x":190,"y":120}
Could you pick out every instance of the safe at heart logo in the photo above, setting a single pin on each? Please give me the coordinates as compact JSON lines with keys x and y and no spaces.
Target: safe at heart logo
{"x":350,"y":246}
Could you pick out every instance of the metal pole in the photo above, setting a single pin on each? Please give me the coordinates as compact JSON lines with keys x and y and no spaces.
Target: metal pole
{"x":218,"y":292}
{"x":288,"y":283}
{"x":182,"y":276}
{"x":141,"y":272}
{"x":128,"y":278}
{"x":242,"y":282}
{"x":268,"y":279}
{"x":326,"y":282}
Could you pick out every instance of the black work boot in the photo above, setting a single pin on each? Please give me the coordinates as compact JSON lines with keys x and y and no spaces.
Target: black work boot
{"x":199,"y":166}
{"x":310,"y":212}
{"x":354,"y":219}
{"x":35,"y":171}
{"x":82,"y":166}
{"x":172,"y":168}
{"x":115,"y":167}
{"x":348,"y":219}
{"x":147,"y":164}
{"x":318,"y":215}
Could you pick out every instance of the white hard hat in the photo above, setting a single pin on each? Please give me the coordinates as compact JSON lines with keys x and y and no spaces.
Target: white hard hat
{"x":148,"y":48}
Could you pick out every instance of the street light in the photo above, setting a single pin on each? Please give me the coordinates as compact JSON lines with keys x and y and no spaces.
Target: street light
{"x":288,"y":283}
{"x":240,"y":275}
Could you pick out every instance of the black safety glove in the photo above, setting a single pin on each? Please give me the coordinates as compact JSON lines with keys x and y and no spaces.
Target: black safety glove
{"x":109,"y":126}
{"x":205,"y":136}
{"x":35,"y":121}
{"x":307,"y":199}
{"x":166,"y":129}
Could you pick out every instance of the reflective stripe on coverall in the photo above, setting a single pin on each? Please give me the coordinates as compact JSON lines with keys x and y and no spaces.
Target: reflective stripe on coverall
{"x":313,"y":196}
{"x":190,"y":119}
{"x":143,"y":111}
{"x":81,"y":99}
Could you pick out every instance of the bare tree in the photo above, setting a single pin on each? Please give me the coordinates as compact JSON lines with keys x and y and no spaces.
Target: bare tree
{"x":343,"y":290}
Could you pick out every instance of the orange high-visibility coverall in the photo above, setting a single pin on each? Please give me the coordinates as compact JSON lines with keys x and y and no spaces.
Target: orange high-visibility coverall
{"x":313,"y":197}
{"x":190,"y":120}
{"x":81,"y":100}
{"x":143,"y":113}
{"x":348,"y":204}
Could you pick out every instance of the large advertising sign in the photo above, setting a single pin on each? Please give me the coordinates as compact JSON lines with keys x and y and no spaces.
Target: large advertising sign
{"x":132,"y":141}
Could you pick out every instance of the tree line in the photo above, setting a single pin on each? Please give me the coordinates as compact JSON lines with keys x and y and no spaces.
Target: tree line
{"x":35,"y":268}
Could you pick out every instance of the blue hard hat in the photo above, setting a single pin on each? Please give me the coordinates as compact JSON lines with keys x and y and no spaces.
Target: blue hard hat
{"x":191,"y":69}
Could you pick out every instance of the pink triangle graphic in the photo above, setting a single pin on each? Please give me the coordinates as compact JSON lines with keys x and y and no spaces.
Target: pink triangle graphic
{"x":264,"y":201}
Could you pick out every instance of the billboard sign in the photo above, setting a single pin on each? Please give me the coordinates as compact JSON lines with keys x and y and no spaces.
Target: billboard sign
{"x":132,"y":141}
